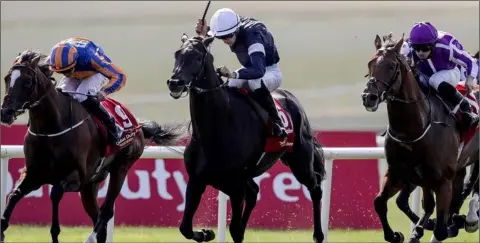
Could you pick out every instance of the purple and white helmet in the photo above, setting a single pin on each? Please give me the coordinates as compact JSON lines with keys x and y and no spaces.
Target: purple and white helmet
{"x":423,"y":33}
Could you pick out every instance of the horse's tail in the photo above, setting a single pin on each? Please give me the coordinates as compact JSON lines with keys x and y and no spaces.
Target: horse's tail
{"x":166,"y":135}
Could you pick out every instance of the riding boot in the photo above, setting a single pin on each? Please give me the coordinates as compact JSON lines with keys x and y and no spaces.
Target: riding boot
{"x":264,"y":98}
{"x":93,"y":106}
{"x":454,"y":97}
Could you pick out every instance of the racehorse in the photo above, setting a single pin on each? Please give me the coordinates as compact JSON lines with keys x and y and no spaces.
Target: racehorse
{"x":230,"y":145}
{"x":66,"y":147}
{"x":422,"y":141}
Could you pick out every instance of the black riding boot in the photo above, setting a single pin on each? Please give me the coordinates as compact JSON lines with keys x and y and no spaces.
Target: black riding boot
{"x":454,"y":97}
{"x":93,"y":106}
{"x":264,"y":98}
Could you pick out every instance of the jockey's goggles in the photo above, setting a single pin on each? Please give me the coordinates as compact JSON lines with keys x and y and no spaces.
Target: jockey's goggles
{"x":223,"y":37}
{"x":422,"y":47}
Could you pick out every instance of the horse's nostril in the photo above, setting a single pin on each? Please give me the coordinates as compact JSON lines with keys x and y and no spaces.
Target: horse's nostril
{"x":372,"y":97}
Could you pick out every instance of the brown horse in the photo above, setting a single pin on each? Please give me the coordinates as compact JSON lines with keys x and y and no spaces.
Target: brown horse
{"x":422,"y":142}
{"x":66,"y":147}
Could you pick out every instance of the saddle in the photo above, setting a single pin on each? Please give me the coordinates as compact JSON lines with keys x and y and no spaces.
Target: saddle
{"x":273,"y":143}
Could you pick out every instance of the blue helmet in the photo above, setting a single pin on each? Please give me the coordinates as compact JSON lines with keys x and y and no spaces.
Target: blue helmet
{"x":423,"y":33}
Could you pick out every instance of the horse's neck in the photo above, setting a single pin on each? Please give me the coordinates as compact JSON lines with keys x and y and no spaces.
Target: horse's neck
{"x":49,"y":115}
{"x":209,"y":110}
{"x":409,"y":118}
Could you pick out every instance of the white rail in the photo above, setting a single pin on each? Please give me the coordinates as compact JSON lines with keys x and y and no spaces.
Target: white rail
{"x":16,"y":151}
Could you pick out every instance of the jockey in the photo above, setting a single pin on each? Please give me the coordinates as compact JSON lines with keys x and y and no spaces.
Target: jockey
{"x":88,"y":71}
{"x":437,"y":55}
{"x":255,"y":49}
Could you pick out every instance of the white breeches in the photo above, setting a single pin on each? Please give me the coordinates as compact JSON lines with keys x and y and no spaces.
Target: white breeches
{"x":450,"y":76}
{"x":272,"y":80}
{"x":90,"y":85}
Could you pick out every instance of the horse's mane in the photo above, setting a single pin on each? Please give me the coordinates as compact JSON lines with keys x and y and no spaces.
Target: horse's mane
{"x":27,"y":56}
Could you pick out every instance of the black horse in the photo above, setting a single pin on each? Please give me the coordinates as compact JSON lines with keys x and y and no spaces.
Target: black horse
{"x":229,"y":135}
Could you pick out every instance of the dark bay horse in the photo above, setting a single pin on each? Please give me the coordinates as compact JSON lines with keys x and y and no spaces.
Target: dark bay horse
{"x":229,"y":135}
{"x":422,"y":142}
{"x":64,"y":146}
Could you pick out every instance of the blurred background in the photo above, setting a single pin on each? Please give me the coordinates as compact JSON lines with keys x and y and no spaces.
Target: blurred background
{"x":324,"y":46}
{"x":324,"y":49}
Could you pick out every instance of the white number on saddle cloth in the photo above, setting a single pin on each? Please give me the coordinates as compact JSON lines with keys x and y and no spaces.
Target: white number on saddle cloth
{"x":121,"y":113}
{"x":283,"y":117}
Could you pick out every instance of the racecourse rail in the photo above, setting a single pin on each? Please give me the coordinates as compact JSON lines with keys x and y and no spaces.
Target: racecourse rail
{"x":16,"y":151}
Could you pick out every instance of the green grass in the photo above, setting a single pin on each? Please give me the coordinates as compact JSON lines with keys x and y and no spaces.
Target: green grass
{"x":398,"y":221}
{"x":146,"y":234}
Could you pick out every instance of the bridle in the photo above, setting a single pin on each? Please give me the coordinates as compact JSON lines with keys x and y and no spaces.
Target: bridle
{"x":387,"y":95}
{"x":26,"y":105}
{"x":190,"y":87}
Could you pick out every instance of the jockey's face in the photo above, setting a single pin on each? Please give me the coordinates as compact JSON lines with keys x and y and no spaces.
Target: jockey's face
{"x":228,"y":39}
{"x":422,"y":51}
{"x":68,"y":73}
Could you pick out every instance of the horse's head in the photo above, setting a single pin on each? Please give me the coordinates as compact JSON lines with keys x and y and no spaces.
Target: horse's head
{"x":26,"y":83}
{"x":191,"y":62}
{"x":384,"y":72}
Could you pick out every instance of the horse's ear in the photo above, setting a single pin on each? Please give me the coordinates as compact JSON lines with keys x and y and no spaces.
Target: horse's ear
{"x":377,"y":42}
{"x":399,"y":44}
{"x":207,"y":41}
{"x":35,"y":61}
{"x":184,"y":38}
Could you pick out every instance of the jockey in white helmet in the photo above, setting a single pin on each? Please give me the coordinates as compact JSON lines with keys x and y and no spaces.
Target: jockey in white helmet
{"x":255,"y":48}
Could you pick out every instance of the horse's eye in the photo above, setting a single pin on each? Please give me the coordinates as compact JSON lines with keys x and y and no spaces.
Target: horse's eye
{"x":27,"y":84}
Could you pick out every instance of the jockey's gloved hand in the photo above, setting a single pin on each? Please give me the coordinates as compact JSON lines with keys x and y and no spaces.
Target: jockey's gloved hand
{"x":225,"y":72}
{"x":469,"y":84}
{"x":101,"y":96}
{"x":201,"y":28}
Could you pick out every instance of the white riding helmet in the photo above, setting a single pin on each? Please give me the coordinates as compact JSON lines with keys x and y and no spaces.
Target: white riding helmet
{"x":224,"y":22}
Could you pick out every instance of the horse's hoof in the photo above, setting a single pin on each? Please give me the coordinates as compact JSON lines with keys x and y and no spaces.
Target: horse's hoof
{"x":203,"y":235}
{"x":398,"y":237}
{"x":209,"y":235}
{"x":471,"y":227}
{"x":414,"y":240}
{"x":2,"y":238}
{"x":318,"y":239}
{"x":430,"y":225}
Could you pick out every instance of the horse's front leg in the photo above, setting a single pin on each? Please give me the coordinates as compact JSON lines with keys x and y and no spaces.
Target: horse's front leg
{"x":471,"y":221}
{"x":193,"y":195}
{"x":117,"y":177}
{"x":55,"y":196}
{"x":27,"y":185}
{"x":390,"y":188}
{"x":428,"y":207}
{"x":443,"y":195}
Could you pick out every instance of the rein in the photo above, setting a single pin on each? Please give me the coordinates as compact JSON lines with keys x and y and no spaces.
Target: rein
{"x":190,"y":87}
{"x":386,"y":95}
{"x":27,"y":105}
{"x":48,"y":89}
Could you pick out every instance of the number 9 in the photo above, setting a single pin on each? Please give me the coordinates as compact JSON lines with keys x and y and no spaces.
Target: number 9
{"x":121,"y":113}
